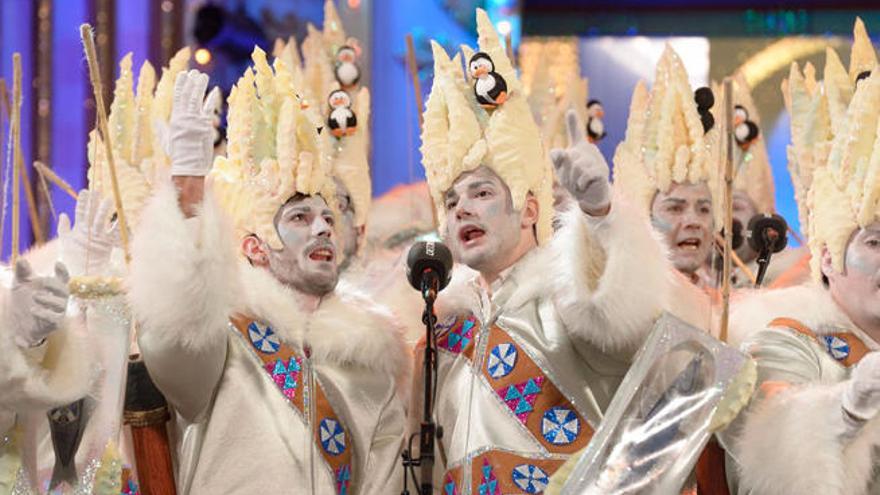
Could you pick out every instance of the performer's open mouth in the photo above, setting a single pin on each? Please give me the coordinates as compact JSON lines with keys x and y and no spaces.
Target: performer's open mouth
{"x":690,"y":244}
{"x":469,"y":234}
{"x":321,"y":254}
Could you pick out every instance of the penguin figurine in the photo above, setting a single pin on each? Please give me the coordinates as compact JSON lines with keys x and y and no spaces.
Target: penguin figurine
{"x":346,"y":69}
{"x":745,"y":131}
{"x":489,"y":87}
{"x":342,"y":120}
{"x":595,"y":125}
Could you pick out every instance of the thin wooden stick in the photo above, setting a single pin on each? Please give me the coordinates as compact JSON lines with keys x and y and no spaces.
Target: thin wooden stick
{"x":88,"y":40}
{"x":414,"y":74}
{"x":738,"y":261}
{"x":31,"y":202}
{"x":508,"y":46}
{"x":50,"y":175}
{"x":728,"y":207}
{"x":44,"y":186}
{"x":16,"y":152}
{"x":4,"y":97}
{"x":796,"y":236}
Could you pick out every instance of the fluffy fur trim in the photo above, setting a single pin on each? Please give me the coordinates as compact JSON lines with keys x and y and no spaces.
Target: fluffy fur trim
{"x":810,"y":304}
{"x":183,"y":280}
{"x":37,"y":379}
{"x":777,"y":457}
{"x":347,"y":328}
{"x":612,"y":276}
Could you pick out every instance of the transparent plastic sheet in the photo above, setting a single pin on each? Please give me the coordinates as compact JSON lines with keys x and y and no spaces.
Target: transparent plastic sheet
{"x":659,"y":420}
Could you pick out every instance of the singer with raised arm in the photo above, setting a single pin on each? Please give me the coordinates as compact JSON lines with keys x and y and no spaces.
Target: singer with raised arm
{"x":531,"y":349}
{"x":290,"y":384}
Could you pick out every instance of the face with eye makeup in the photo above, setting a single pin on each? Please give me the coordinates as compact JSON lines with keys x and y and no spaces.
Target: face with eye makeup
{"x":857,"y":289}
{"x":684,"y":216}
{"x":743,"y":210}
{"x":307,"y":260}
{"x":483,"y":229}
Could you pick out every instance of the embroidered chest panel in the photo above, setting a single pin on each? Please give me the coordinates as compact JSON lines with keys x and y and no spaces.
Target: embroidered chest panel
{"x":844,"y":347}
{"x":497,"y":472}
{"x":289,"y":371}
{"x":520,"y":385}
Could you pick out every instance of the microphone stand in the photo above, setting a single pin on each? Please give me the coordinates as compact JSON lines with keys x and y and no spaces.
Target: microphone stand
{"x":428,"y":431}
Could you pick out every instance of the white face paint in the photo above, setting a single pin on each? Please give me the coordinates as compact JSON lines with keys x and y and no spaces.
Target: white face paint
{"x":684,"y":217}
{"x":348,"y":230}
{"x":857,"y":289}
{"x":482,"y":228}
{"x":308,"y":260}
{"x":743,"y":210}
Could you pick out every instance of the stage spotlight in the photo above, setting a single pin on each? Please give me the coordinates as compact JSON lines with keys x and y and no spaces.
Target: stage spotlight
{"x":203,"y":56}
{"x":504,"y":28}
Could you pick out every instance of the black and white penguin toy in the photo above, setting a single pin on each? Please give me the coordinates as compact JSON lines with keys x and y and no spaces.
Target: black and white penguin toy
{"x":489,"y":87}
{"x":745,"y":131}
{"x":342,"y":121}
{"x":595,"y":124}
{"x":346,"y":69}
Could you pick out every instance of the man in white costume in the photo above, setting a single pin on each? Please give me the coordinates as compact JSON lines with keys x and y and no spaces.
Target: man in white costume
{"x":533,"y":347}
{"x":302,"y":382}
{"x":813,"y":426}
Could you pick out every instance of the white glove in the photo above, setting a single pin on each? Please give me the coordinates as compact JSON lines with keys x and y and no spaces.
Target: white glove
{"x":861,"y":397}
{"x":86,"y":249}
{"x":581,"y":169}
{"x":190,"y":129}
{"x":37,"y":304}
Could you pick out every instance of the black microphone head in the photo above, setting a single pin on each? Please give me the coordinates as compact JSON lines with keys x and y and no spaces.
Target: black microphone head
{"x":429,"y":256}
{"x":768,"y":232}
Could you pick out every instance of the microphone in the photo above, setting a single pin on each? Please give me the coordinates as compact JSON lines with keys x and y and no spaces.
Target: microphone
{"x":429,"y":267}
{"x":767,"y":233}
{"x":766,"y":236}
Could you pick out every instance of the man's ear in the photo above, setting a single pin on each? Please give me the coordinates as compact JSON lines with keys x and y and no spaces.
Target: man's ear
{"x":531,"y":210}
{"x":255,"y":250}
{"x":827,"y":266}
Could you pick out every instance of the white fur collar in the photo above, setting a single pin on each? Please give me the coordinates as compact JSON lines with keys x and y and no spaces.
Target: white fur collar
{"x":526,"y":280}
{"x":346,"y":329}
{"x":810,"y":304}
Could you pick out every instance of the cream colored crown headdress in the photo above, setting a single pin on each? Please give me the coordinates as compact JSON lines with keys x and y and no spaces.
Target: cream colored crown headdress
{"x":349,"y":159}
{"x":818,"y":111}
{"x":845,"y":194}
{"x":458,"y":135}
{"x":665,"y":143}
{"x":752,"y":171}
{"x":274,"y":152}
{"x":139,"y":155}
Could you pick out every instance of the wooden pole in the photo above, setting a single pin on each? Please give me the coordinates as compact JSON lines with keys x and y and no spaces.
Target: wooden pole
{"x":39,"y":238}
{"x":86,"y":34}
{"x":50,"y":175}
{"x":16,"y":152}
{"x":728,"y":141}
{"x":414,"y":74}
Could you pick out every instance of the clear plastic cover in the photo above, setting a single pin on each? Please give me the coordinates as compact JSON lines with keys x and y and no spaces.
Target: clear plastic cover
{"x":659,"y":420}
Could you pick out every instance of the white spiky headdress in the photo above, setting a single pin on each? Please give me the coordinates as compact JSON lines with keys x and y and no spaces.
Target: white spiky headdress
{"x":274,"y":152}
{"x":752,"y":171}
{"x":458,"y":135}
{"x":665,"y":143}
{"x":134,"y":117}
{"x":845,"y":193}
{"x":819,"y":111}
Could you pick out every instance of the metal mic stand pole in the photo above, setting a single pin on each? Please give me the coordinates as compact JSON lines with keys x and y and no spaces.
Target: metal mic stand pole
{"x":428,"y":430}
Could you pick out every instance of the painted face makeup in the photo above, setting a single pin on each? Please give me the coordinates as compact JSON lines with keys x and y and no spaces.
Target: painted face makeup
{"x":308,"y":261}
{"x":482,"y":228}
{"x":684,"y":216}
{"x":857,"y":289}
{"x":743,"y":210}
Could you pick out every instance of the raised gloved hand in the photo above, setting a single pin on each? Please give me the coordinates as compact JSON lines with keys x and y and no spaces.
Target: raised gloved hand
{"x":86,"y":248}
{"x":861,"y":397}
{"x":581,"y":169}
{"x":37,"y":304}
{"x":190,"y":129}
